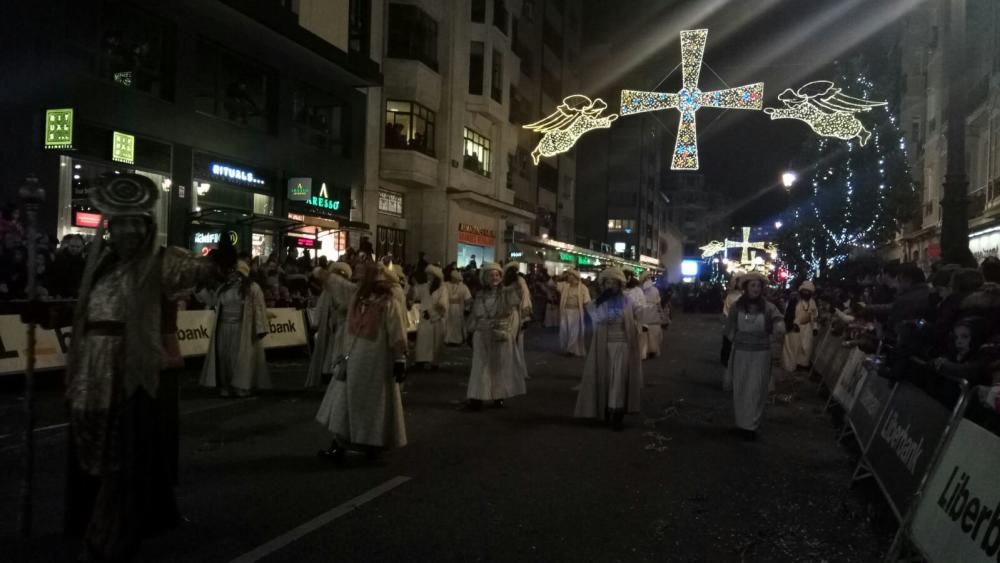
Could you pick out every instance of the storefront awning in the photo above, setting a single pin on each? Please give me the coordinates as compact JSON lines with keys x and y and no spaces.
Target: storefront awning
{"x":225,"y":216}
{"x":512,"y":213}
{"x":584,"y":257}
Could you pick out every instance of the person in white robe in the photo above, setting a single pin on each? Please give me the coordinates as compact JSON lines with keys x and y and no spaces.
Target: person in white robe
{"x":800,"y":322}
{"x":552,"y":303}
{"x":652,"y":315}
{"x":332,"y":307}
{"x":431,"y":328}
{"x":459,"y":298}
{"x":634,"y":292}
{"x":235,"y":363}
{"x":362,"y":407}
{"x":573,"y":297}
{"x":752,"y":322}
{"x":612,"y":374}
{"x":493,"y":322}
{"x":513,"y":278}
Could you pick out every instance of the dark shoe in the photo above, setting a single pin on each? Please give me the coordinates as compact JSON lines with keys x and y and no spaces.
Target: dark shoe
{"x":474,"y":405}
{"x":618,"y":421}
{"x":335,"y":453}
{"x":749,"y":435}
{"x":498,"y":403}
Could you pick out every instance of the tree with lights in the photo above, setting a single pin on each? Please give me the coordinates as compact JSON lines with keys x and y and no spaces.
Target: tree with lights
{"x":856,"y":197}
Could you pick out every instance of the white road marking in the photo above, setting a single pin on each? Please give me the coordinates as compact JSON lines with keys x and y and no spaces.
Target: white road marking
{"x":318,"y":522}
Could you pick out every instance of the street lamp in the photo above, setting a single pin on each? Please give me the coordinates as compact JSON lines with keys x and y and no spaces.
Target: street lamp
{"x":788,"y":179}
{"x":778,"y":224}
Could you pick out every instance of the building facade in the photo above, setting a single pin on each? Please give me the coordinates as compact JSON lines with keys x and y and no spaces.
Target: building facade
{"x":230,"y":107}
{"x":924,"y":119}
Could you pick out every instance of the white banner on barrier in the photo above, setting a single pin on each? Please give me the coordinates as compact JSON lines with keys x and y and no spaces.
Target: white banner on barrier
{"x":958,"y":518}
{"x":852,"y":378}
{"x":14,"y":347}
{"x":194,"y":330}
{"x":287,"y":329}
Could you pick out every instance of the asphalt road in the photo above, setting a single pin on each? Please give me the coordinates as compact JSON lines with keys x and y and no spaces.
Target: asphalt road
{"x":525,"y":483}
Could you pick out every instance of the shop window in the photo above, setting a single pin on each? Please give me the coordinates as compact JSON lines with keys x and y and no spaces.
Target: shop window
{"x":478,"y":11}
{"x":390,"y":203}
{"x":496,"y":77}
{"x":137,"y":50}
{"x":320,"y":119}
{"x":390,"y":242}
{"x":621,"y":225}
{"x":477,"y":55}
{"x":233,"y":88}
{"x":478,"y":153}
{"x":410,"y":126}
{"x":412,"y":35}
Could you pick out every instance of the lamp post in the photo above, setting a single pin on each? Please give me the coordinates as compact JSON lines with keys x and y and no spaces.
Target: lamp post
{"x":955,"y":203}
{"x":32,"y":195}
{"x":788,"y":179}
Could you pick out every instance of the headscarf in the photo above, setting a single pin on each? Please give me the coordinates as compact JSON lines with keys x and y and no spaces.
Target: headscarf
{"x":342,"y":268}
{"x":456,"y":277}
{"x":612,"y":273}
{"x":486,"y":268}
{"x":435,"y":271}
{"x":807,"y":286}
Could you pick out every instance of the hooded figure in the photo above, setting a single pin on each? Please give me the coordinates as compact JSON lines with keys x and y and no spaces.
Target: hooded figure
{"x":459,"y":297}
{"x":512,"y":277}
{"x":573,"y":298}
{"x":800,"y":321}
{"x":120,"y":485}
{"x":494,"y":323}
{"x":433,"y":298}
{"x":612,"y":374}
{"x":235,"y":363}
{"x":332,"y":306}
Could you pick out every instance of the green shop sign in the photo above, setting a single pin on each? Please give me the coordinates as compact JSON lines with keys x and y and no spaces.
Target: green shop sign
{"x":584,"y":261}
{"x":299,"y":189}
{"x":123,"y":147}
{"x":59,"y":128}
{"x":567,"y":257}
{"x":323,"y":201}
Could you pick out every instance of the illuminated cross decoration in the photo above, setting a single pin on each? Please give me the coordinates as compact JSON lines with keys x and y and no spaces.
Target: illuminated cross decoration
{"x":746,"y":245}
{"x":690,"y":99}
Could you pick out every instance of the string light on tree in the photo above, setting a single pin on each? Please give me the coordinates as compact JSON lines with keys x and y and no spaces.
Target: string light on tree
{"x":690,"y":99}
{"x":564,"y":127}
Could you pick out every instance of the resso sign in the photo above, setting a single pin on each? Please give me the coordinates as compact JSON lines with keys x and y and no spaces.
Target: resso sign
{"x":287,"y":329}
{"x":958,"y":518}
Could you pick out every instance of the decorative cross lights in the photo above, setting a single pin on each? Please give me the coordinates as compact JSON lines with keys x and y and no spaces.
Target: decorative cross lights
{"x":690,"y":99}
{"x":819,"y":104}
{"x":745,"y":246}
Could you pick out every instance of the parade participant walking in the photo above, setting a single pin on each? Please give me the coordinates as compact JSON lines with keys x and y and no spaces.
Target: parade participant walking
{"x":119,"y":481}
{"x":235,"y":362}
{"x":752,"y":321}
{"x":732,"y":296}
{"x":459,"y":297}
{"x":612,"y":374}
{"x":634,"y":292}
{"x":800,"y":321}
{"x":362,"y":406}
{"x":652,"y":315}
{"x":431,"y":327}
{"x":513,"y":279}
{"x":573,"y":297}
{"x":494,"y":320}
{"x":332,"y":307}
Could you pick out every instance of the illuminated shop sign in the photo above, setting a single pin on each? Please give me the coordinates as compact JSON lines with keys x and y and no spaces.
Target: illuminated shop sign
{"x":323,"y":201}
{"x":87,"y":220}
{"x":302,"y":242}
{"x":123,"y":147}
{"x":213,"y":238}
{"x":59,"y":128}
{"x":299,"y":189}
{"x":478,"y":236}
{"x":235,"y":174}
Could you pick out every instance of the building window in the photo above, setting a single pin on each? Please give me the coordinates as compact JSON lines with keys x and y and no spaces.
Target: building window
{"x":409,"y":125}
{"x":477,"y":153}
{"x":359,"y":26}
{"x":548,"y":177}
{"x":233,"y":88}
{"x":476,"y":64}
{"x":621,"y":225}
{"x":500,"y":15}
{"x":496,"y":77}
{"x":319,"y":119}
{"x":412,"y":35}
{"x":390,"y":203}
{"x":478,"y":11}
{"x":137,"y":51}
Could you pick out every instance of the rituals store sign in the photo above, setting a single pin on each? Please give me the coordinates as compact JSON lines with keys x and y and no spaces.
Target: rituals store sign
{"x":59,"y":128}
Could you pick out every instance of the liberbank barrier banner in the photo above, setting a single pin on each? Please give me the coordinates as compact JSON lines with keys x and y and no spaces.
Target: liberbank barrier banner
{"x":863,"y":415}
{"x":836,"y":366}
{"x":958,"y":517}
{"x":851,"y":379}
{"x":194,"y":330}
{"x":905,"y":442}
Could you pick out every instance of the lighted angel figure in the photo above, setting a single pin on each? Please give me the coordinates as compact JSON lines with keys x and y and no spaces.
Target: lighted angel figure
{"x":577,"y":115}
{"x":826,"y":109}
{"x":712,"y":248}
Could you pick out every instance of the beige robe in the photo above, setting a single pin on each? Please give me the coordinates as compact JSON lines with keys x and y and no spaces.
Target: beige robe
{"x":592,"y":400}
{"x":251,"y":371}
{"x":332,"y":307}
{"x":458,"y":298}
{"x":431,"y":327}
{"x":798,"y":347}
{"x":494,"y":323}
{"x":572,"y":327}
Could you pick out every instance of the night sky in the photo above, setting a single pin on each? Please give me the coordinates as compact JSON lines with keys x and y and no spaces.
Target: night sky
{"x":634,"y":44}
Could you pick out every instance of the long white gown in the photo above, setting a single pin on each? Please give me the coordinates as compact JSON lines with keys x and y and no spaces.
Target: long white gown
{"x":431,"y":327}
{"x":493,"y":321}
{"x":458,"y":298}
{"x":798,"y":347}
{"x":638,"y":297}
{"x":750,"y":362}
{"x":612,"y":374}
{"x":652,"y":317}
{"x":525,"y":315}
{"x":572,"y":300}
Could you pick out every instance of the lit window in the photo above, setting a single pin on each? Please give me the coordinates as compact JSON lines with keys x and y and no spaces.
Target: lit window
{"x":409,"y":125}
{"x":477,"y":153}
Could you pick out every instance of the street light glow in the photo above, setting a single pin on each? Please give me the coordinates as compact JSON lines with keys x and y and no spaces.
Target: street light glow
{"x":789,"y":179}
{"x":778,"y":224}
